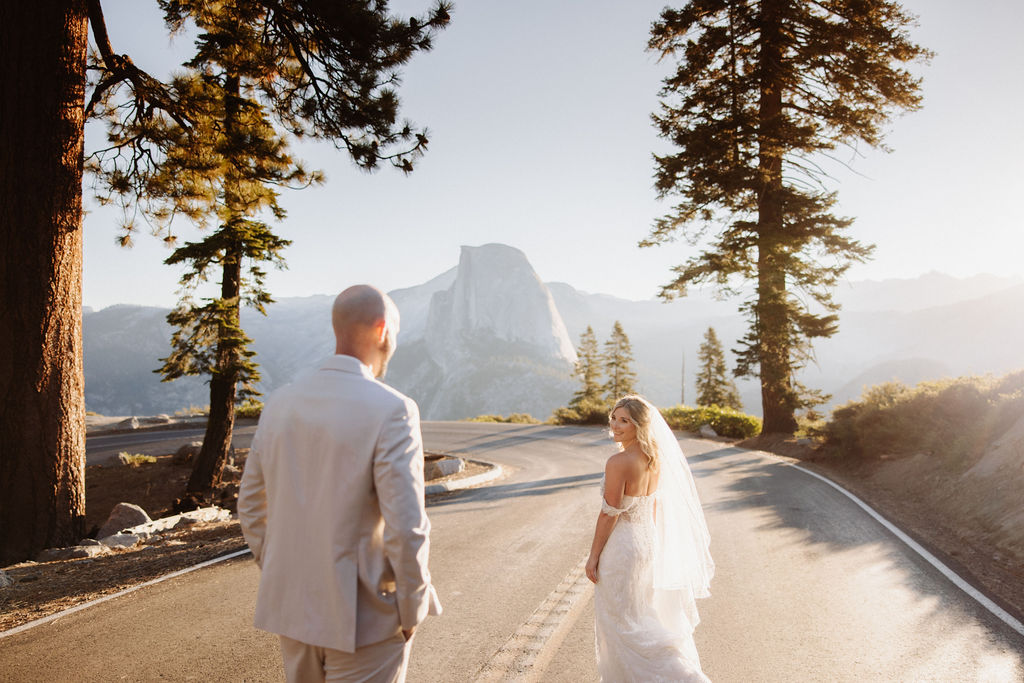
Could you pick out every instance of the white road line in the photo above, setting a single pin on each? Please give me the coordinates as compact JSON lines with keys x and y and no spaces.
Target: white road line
{"x":957,"y":580}
{"x":515,"y":660}
{"x":76,"y":608}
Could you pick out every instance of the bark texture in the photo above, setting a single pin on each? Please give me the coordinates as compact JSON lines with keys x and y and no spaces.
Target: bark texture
{"x":42,"y":403}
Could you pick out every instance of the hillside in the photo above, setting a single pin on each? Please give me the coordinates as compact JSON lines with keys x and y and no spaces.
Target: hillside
{"x":487,"y":335}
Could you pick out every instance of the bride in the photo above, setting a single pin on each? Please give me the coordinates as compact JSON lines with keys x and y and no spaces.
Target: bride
{"x":649,"y":560}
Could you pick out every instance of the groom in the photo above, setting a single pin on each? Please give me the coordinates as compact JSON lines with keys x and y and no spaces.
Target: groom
{"x":331,"y":504}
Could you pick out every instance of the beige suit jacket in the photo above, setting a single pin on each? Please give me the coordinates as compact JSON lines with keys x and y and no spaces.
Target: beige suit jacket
{"x":331,"y":504}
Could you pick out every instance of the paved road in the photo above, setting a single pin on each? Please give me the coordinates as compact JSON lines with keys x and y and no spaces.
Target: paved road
{"x":101,"y":448}
{"x":808,"y":588}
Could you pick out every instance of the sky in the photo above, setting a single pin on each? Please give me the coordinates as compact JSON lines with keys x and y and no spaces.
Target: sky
{"x":539,"y":121}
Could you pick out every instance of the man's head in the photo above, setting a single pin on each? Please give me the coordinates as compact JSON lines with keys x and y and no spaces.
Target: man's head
{"x":365,"y":323}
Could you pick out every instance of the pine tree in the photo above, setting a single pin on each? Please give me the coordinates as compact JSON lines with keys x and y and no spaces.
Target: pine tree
{"x":763,"y":94}
{"x":714,"y":387}
{"x":324,"y":70}
{"x":588,"y":370}
{"x":618,"y":359}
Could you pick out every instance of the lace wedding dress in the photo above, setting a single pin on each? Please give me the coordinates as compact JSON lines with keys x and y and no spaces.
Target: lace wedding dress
{"x":641,"y":637}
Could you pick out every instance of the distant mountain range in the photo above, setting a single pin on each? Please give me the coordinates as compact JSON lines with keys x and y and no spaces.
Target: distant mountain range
{"x":487,"y":336}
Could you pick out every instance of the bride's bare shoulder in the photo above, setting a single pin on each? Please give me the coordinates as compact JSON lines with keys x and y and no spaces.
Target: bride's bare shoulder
{"x":619,"y":462}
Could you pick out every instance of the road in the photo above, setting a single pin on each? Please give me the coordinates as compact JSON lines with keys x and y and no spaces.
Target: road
{"x":808,"y":587}
{"x":102,"y":448}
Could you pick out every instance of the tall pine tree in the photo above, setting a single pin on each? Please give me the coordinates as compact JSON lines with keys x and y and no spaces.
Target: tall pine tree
{"x":323,"y":70}
{"x":618,"y":364}
{"x":714,"y":386}
{"x":588,"y":371}
{"x":764,"y":92}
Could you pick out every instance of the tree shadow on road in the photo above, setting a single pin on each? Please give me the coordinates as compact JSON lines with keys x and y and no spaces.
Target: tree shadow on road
{"x":822,"y":521}
{"x":539,"y":487}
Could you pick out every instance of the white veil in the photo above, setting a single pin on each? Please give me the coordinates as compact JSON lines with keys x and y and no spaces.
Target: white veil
{"x":682,"y":564}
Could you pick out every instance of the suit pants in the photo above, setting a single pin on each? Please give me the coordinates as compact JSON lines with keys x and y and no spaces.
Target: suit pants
{"x":383,"y":662}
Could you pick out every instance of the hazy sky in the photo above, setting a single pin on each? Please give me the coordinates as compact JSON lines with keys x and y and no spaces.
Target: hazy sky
{"x":539,"y":114}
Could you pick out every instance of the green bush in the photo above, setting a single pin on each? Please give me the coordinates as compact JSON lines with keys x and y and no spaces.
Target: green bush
{"x":955,"y":418}
{"x":514,"y":418}
{"x":193,"y":411}
{"x":250,"y":407}
{"x":587,"y":412}
{"x":135,"y":459}
{"x":725,"y":421}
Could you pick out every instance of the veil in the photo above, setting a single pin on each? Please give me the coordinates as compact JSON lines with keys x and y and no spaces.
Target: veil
{"x":682,"y":564}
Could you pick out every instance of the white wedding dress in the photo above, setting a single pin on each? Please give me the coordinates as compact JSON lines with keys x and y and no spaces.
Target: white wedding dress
{"x":641,"y":636}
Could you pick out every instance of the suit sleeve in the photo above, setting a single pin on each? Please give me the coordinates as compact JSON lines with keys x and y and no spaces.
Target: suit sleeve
{"x":398,"y":477}
{"x":252,"y":502}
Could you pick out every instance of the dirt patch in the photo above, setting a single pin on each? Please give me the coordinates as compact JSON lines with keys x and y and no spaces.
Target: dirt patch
{"x":929,"y":500}
{"x":44,"y":588}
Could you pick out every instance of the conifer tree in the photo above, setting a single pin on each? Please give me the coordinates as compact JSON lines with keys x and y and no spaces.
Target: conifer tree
{"x":763,"y":94}
{"x":588,"y":370}
{"x":714,"y":387}
{"x":618,"y":364}
{"x":321,"y":70}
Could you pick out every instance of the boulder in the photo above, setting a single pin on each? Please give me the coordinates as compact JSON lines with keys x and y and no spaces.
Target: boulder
{"x":121,"y":541}
{"x":187,"y":453}
{"x":123,"y":516}
{"x":5,"y":579}
{"x":435,"y":469}
{"x":707,"y":432}
{"x":130,"y":423}
{"x":208,"y":514}
{"x":72,"y":553}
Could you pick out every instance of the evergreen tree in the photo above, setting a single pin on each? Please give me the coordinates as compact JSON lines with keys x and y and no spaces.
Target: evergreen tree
{"x":588,"y":370}
{"x":324,"y":70}
{"x":714,"y":387}
{"x":618,"y":359}
{"x":762,"y":95}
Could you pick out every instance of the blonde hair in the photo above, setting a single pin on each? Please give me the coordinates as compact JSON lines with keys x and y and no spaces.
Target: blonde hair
{"x":640,"y":415}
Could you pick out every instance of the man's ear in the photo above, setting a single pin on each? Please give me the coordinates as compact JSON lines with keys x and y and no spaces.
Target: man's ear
{"x":380,"y":330}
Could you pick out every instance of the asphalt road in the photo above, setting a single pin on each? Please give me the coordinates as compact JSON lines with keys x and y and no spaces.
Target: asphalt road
{"x":808,"y":587}
{"x":101,"y":448}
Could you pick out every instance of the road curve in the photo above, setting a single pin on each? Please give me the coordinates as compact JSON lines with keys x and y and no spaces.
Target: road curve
{"x":808,"y":588}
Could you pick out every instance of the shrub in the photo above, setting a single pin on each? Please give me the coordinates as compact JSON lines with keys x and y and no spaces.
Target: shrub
{"x":193,"y":411}
{"x":586,"y":412}
{"x":514,"y":418}
{"x":135,"y":459}
{"x":250,"y":407}
{"x":725,"y":421}
{"x":955,"y":418}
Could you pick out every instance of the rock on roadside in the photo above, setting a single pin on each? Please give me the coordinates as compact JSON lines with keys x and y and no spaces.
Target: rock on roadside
{"x":187,"y":453}
{"x":73,"y":553}
{"x":707,"y":432}
{"x":435,"y":469}
{"x":123,"y":516}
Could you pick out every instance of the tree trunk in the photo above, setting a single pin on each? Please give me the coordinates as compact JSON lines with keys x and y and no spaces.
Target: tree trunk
{"x":206,"y":474}
{"x":42,"y":402}
{"x":771,"y":312}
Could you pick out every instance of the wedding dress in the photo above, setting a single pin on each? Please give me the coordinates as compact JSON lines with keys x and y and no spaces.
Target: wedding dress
{"x":650,"y":572}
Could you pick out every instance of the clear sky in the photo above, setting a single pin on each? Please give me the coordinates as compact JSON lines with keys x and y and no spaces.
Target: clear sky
{"x":541,"y":138}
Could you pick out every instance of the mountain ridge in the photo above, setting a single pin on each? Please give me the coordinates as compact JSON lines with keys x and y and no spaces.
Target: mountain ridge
{"x":529,"y":328}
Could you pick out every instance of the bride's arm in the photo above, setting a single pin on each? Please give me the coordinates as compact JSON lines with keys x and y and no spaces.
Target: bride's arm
{"x":614,"y":488}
